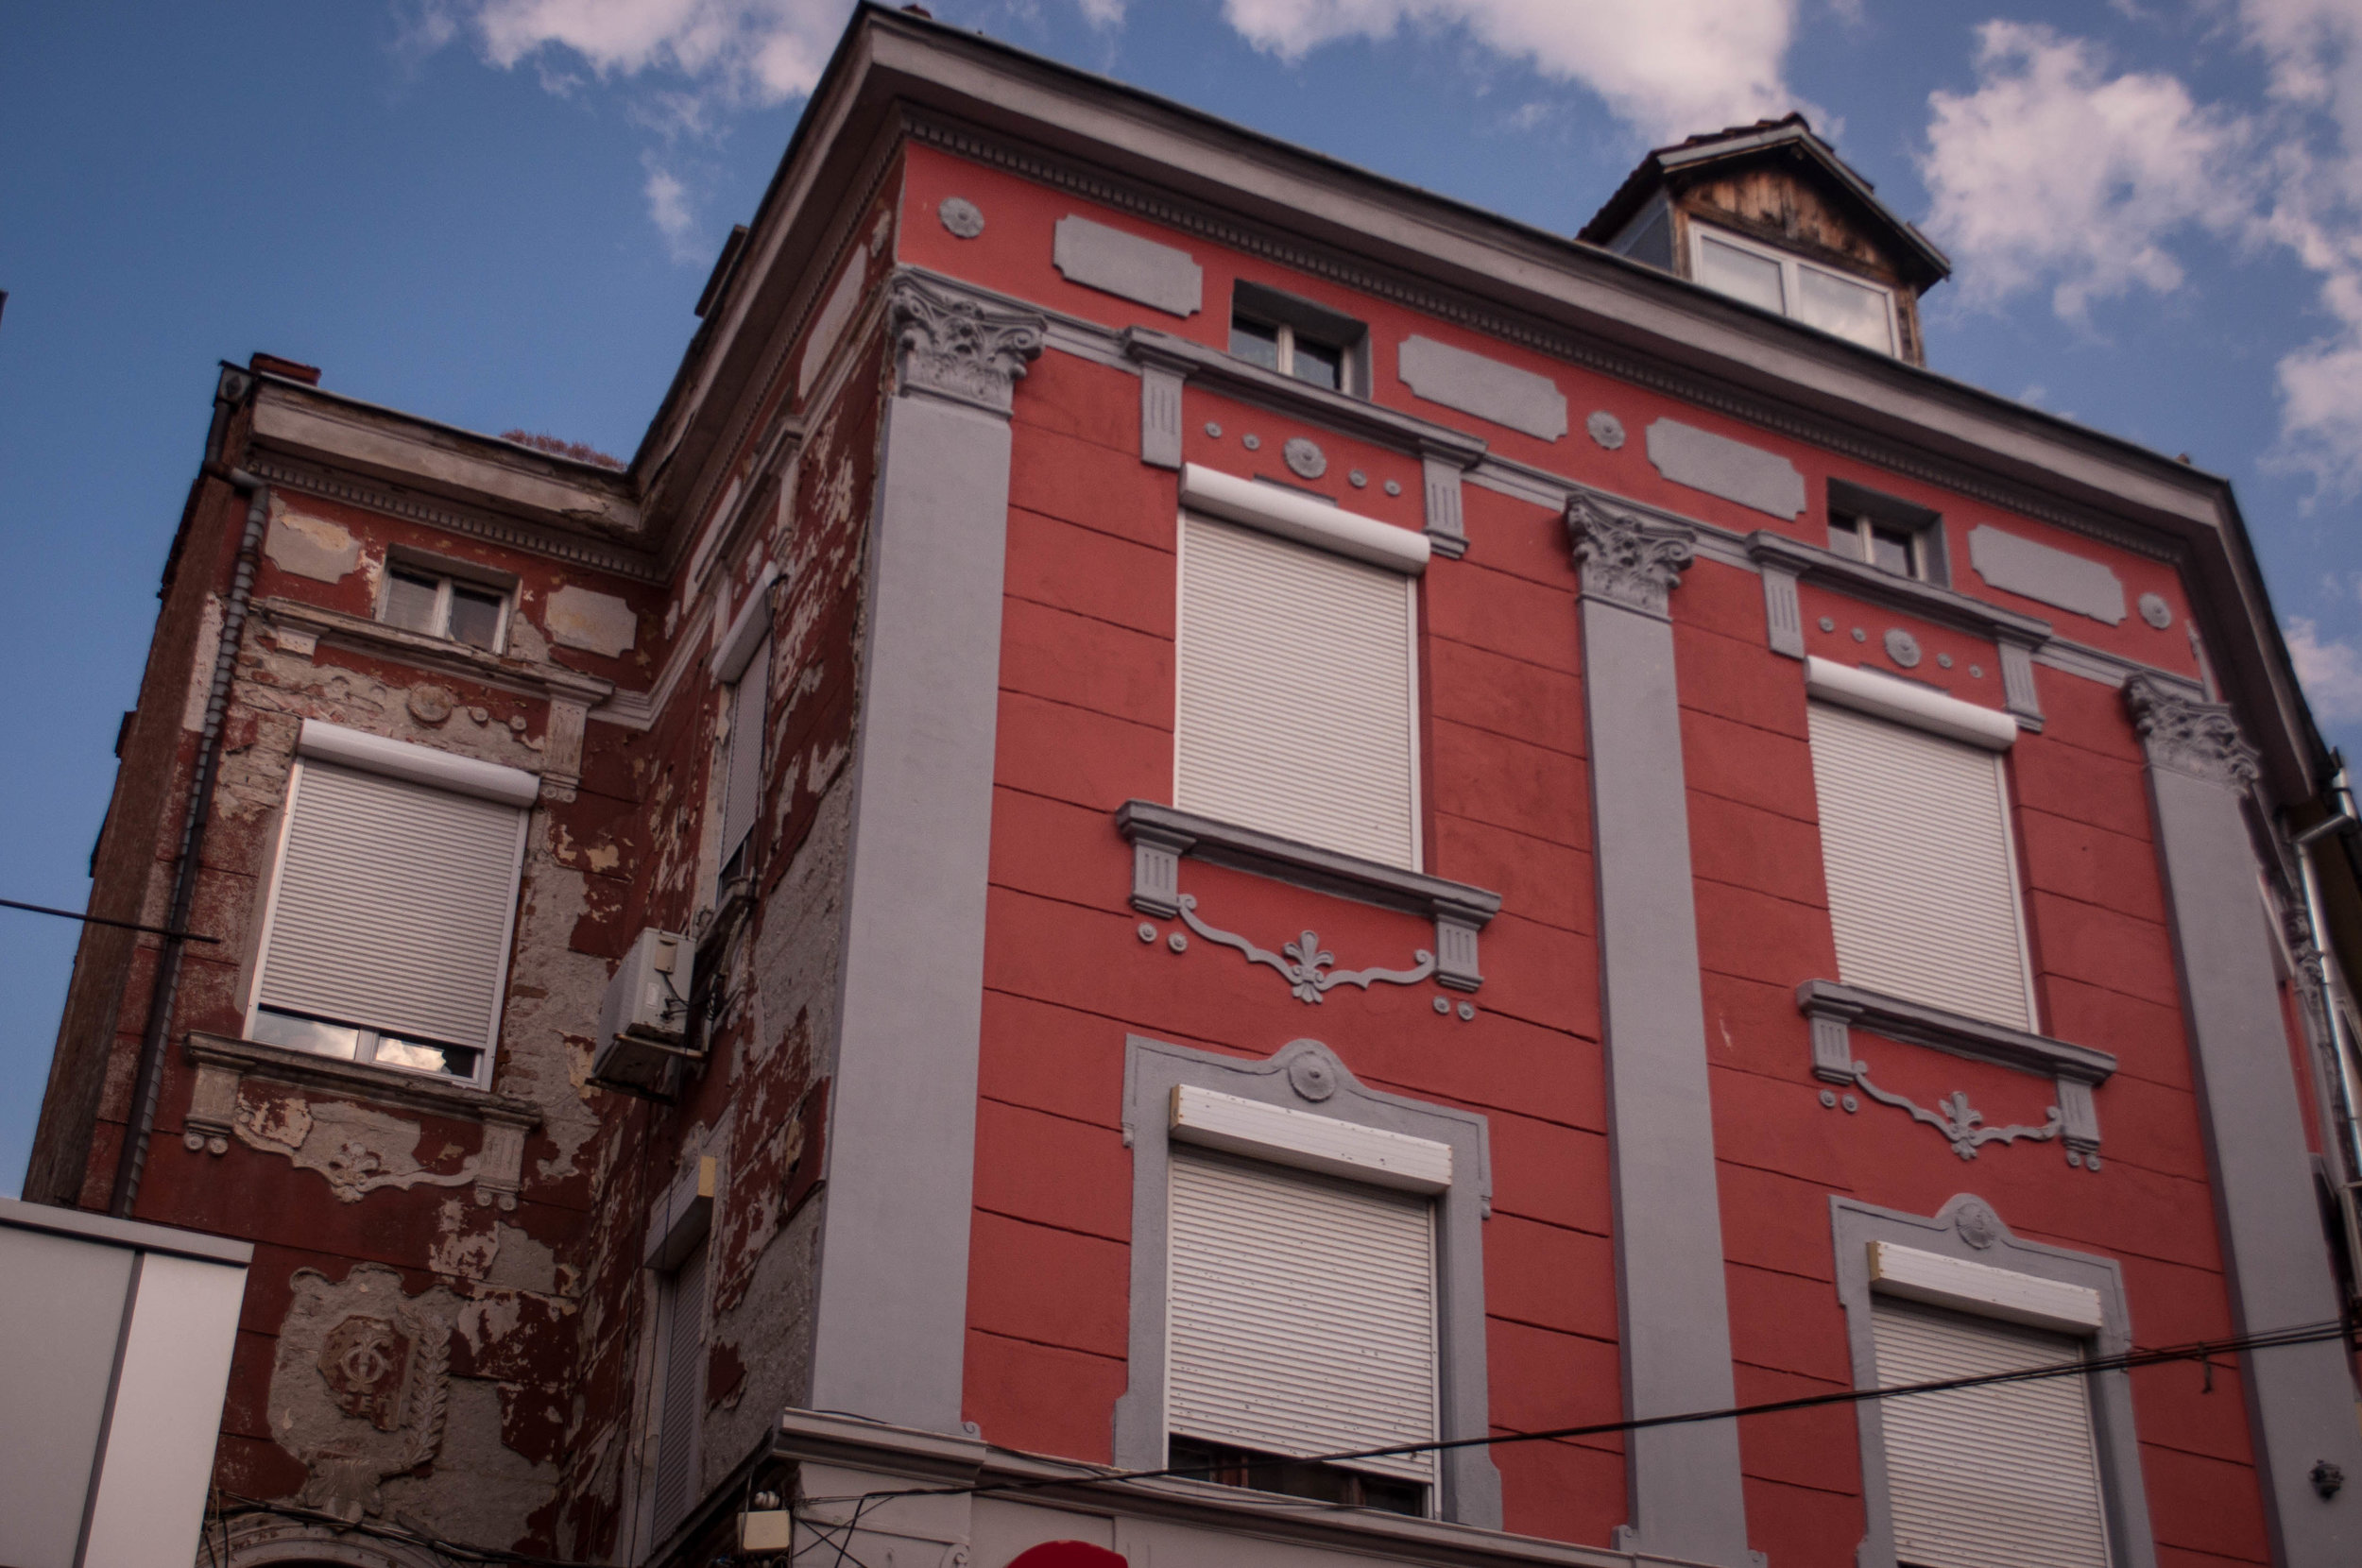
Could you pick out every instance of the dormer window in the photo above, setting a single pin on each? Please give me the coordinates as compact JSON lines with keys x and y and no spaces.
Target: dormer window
{"x":1789,"y":285}
{"x":1299,"y":338}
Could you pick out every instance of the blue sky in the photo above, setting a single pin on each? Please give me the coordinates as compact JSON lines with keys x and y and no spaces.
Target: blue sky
{"x":499,"y":213}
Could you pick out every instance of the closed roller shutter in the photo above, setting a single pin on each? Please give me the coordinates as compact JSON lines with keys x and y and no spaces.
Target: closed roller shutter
{"x":393,"y":905}
{"x":1923,"y":885}
{"x":742,"y":782}
{"x":1996,"y":1477}
{"x":1302,"y":1314}
{"x":677,"y":1423}
{"x":1296,"y":702}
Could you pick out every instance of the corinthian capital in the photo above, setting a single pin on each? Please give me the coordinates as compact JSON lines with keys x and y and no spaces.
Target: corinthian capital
{"x":2188,"y":736}
{"x":949,"y":346}
{"x":1628,"y":560}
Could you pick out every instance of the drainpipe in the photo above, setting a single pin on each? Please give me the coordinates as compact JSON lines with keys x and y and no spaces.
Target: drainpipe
{"x":149,"y":1085}
{"x":2341,"y":1045}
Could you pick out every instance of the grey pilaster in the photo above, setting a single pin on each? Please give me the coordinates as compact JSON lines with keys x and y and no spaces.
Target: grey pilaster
{"x":1783,"y":616}
{"x":2300,"y":1398}
{"x":1445,"y":528}
{"x":1683,"y":1480}
{"x":891,"y":1318}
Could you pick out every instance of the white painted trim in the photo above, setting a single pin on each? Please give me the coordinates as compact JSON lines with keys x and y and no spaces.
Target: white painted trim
{"x":436,"y":770}
{"x":1790,"y":267}
{"x":1212,"y":1119}
{"x":1909,"y":703}
{"x":1303,"y":519}
{"x":1979,"y":1287}
{"x":748,"y":628}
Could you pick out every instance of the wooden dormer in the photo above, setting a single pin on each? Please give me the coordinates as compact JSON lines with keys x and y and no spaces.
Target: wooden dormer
{"x":1769,"y":214}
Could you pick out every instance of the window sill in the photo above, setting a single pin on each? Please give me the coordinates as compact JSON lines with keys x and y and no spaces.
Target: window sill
{"x":1785,"y":562}
{"x":223,"y":1064}
{"x":1836,"y":1010}
{"x":1161,"y":835}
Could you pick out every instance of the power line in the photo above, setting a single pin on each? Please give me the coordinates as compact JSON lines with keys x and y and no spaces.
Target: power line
{"x":2204,"y":1351}
{"x":102,"y":920}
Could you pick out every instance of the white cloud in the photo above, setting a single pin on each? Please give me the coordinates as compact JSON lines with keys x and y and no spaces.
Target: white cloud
{"x":669,"y":210}
{"x":753,"y":51}
{"x":2330,"y":669}
{"x":1670,"y":69}
{"x":2054,"y":171}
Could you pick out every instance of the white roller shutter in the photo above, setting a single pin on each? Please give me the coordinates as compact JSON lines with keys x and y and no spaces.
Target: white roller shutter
{"x":1296,"y":693}
{"x":742,"y":785}
{"x":393,"y":906}
{"x":1993,"y":1476}
{"x":676,"y":1421}
{"x":1302,"y":1313}
{"x":1922,"y":880}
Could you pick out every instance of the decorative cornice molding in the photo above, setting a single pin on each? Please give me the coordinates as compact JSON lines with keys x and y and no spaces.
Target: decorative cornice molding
{"x":2181,"y":735}
{"x":1355,"y":272}
{"x":356,"y":491}
{"x":949,"y":346}
{"x":1909,"y":595}
{"x":1628,"y":560}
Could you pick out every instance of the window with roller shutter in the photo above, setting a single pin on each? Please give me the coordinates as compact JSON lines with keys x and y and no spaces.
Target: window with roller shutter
{"x":390,"y":914}
{"x":682,"y":1307}
{"x":741,"y":786}
{"x":1298,"y":699}
{"x":1302,"y":1317}
{"x":1921,"y":871}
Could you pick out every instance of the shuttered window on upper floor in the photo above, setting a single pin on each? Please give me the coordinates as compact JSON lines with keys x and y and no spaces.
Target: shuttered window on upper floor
{"x":1921,"y":873}
{"x":391,"y":909}
{"x":1298,"y":699}
{"x":742,"y":778}
{"x":1302,"y":1314}
{"x":682,"y":1304}
{"x":1978,"y":1478}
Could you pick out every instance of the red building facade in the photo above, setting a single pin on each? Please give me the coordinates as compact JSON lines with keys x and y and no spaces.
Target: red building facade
{"x":1287,"y":818}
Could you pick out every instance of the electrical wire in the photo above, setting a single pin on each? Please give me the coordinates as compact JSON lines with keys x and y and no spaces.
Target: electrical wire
{"x":2127,"y":1361}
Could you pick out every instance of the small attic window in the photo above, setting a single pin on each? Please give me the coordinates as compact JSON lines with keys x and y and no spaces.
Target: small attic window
{"x":1296,"y":337}
{"x":1789,"y":285}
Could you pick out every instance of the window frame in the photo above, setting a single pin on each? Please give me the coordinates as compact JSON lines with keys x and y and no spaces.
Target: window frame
{"x":446,"y":574}
{"x":1967,"y":1230}
{"x":1307,"y":1077}
{"x":1294,"y":519}
{"x":1855,"y":511}
{"x":426,"y":768}
{"x":744,"y":650}
{"x":1292,"y":316}
{"x":1790,"y":266}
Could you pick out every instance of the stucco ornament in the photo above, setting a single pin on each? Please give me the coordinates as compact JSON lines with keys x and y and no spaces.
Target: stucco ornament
{"x":1628,"y":560}
{"x":1304,"y":457}
{"x":2188,"y":736}
{"x":953,"y":348}
{"x":1306,"y":964}
{"x":360,"y":1385}
{"x":1957,"y":1119}
{"x":357,"y":1150}
{"x":1977,"y":1222}
{"x":1607,"y":429}
{"x":961,"y":216}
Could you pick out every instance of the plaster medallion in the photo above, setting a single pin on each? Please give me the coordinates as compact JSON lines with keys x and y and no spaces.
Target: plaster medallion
{"x":1443,"y":1004}
{"x":1902,"y":647}
{"x":429,"y":704}
{"x":1828,"y":623}
{"x":1944,"y":661}
{"x":1978,"y":1224}
{"x":1251,"y":441}
{"x":1311,"y":1077}
{"x":1147,"y":932}
{"x":1304,"y":457}
{"x":962,"y":216}
{"x":1467,"y":1011}
{"x":1394,"y":488}
{"x":1357,"y":479}
{"x":1976,"y":672}
{"x":1607,"y":429}
{"x":1213,"y":430}
{"x":1861,"y":636}
{"x":2156,"y":611}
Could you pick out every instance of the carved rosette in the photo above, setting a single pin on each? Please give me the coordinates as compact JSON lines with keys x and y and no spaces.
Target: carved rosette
{"x":954,"y":347}
{"x":2188,"y":736}
{"x":1628,"y":560}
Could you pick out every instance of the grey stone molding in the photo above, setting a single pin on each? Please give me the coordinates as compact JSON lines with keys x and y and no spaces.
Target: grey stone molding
{"x":1785,"y":562}
{"x":2038,"y":571}
{"x":1967,"y":1229}
{"x":1117,"y":261}
{"x":2300,"y":1398}
{"x":949,"y":346}
{"x":1476,"y":384}
{"x":1835,"y":1010}
{"x":1161,"y":835}
{"x":1306,"y":1076}
{"x":214,"y":1118}
{"x":1682,"y":1483}
{"x":1629,"y":560}
{"x":295,"y":474}
{"x":1753,"y":477}
{"x":2189,"y":736}
{"x":1166,"y":362}
{"x":842,"y":1458}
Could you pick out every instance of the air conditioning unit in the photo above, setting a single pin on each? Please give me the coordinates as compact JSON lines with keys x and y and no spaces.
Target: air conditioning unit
{"x":643,"y":1023}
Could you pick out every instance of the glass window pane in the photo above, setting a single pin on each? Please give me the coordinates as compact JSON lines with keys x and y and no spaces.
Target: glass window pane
{"x":1252,"y":340}
{"x":1890,"y":551}
{"x":1319,"y":364}
{"x":475,"y":616}
{"x":419,"y":1056}
{"x":1842,"y":306}
{"x":1740,"y":274}
{"x":286,"y":1030}
{"x":410,"y":603}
